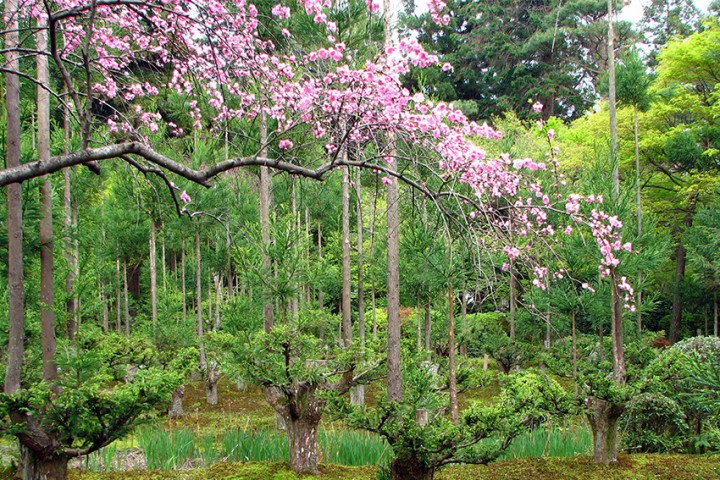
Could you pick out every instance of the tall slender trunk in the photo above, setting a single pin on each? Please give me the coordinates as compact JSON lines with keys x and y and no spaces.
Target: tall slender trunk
{"x":513,"y":298}
{"x":346,"y":268}
{"x":452,"y":378}
{"x":127,"y":302}
{"x":680,"y":262}
{"x":394,"y":375}
{"x":16,"y":319}
{"x":118,"y":299}
{"x":573,"y":319}
{"x":35,"y":467}
{"x":428,"y":324}
{"x":182,"y":279}
{"x":105,"y":311}
{"x":265,"y":206}
{"x":617,"y":331}
{"x":47,"y":260}
{"x":360,"y":260}
{"x":68,"y":224}
{"x":198,"y":296}
{"x":320,"y":293}
{"x":153,"y":274}
{"x":295,"y":300}
{"x":218,"y":300}
{"x":163,"y":262}
{"x":463,"y":319}
{"x":418,"y":313}
{"x":715,"y":312}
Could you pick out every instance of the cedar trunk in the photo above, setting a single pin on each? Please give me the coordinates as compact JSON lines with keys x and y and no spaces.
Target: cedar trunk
{"x":176,"y":406}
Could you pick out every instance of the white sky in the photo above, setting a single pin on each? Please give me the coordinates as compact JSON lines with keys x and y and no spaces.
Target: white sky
{"x":633,"y":12}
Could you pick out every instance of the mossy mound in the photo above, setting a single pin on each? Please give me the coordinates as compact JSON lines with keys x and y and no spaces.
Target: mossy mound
{"x":629,"y":467}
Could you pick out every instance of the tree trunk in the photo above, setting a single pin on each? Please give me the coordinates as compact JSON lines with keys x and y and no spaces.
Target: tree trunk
{"x":212,"y":377}
{"x":176,"y":405}
{"x":407,"y":468}
{"x":153,"y":274}
{"x":394,"y":375}
{"x":357,"y":394}
{"x":320,"y":293}
{"x":452,"y":379}
{"x":182,"y":279}
{"x":265,"y":201}
{"x":428,"y":324}
{"x":301,"y":412}
{"x":463,"y":318}
{"x":218,"y":299}
{"x":302,"y":445}
{"x":198,"y":296}
{"x":574,"y":350}
{"x":105,"y":311}
{"x":604,"y":424}
{"x":127,"y":302}
{"x":47,"y":260}
{"x":346,"y":327}
{"x":16,"y":319}
{"x":118,"y":298}
{"x":68,"y":224}
{"x":513,"y":298}
{"x":360,"y":260}
{"x":715,"y":313}
{"x":418,"y":309}
{"x":617,"y":331}
{"x":676,"y":322}
{"x":46,"y":468}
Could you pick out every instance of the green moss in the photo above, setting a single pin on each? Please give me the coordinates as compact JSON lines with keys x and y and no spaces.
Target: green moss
{"x":630,"y":467}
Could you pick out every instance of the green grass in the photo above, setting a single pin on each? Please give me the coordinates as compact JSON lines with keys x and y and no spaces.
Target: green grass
{"x":552,"y":441}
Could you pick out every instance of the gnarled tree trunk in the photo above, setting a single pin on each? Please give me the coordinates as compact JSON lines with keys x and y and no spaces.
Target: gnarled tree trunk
{"x":302,"y":411}
{"x":408,"y":468}
{"x":43,"y":467}
{"x":176,"y":406}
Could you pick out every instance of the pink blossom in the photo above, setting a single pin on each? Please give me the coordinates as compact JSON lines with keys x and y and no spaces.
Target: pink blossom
{"x":185,"y":197}
{"x":551,"y":134}
{"x":537,"y":107}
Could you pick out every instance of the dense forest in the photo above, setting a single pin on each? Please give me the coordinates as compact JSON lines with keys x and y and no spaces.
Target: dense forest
{"x":321,"y":234}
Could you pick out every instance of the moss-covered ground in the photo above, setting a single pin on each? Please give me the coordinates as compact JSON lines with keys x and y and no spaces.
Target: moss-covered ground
{"x":630,"y":467}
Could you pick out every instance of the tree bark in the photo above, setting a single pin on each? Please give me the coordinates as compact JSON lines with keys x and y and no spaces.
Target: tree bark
{"x":676,"y":322}
{"x":47,"y":260}
{"x":16,"y":319}
{"x":198,"y":296}
{"x":176,"y":406}
{"x":617,"y":331}
{"x":394,"y":375}
{"x":212,"y":378}
{"x":35,"y":467}
{"x":182,"y":279}
{"x":153,"y":274}
{"x":265,"y":205}
{"x":410,"y":468}
{"x":127,"y":302}
{"x":604,"y":424}
{"x":118,"y":298}
{"x":428,"y":324}
{"x":357,"y":394}
{"x":301,"y":410}
{"x":346,"y":267}
{"x":452,"y":378}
